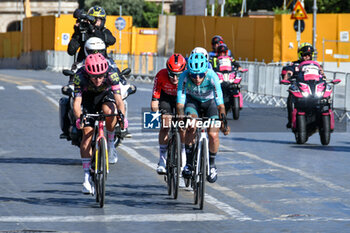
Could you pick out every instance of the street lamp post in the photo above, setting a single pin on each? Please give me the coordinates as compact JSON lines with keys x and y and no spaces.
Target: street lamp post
{"x":314,"y":29}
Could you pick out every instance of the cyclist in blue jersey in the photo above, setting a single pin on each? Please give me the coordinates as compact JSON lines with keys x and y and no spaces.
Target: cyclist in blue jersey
{"x":199,"y":91}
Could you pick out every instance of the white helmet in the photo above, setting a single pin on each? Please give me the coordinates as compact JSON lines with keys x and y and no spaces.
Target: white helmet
{"x":94,"y":45}
{"x":202,"y":51}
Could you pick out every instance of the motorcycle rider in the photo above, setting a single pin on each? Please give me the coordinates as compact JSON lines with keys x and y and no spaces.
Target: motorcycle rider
{"x":223,"y":61}
{"x":305,"y":53}
{"x":215,"y":42}
{"x":95,"y":89}
{"x":86,"y":28}
{"x":199,"y":90}
{"x":164,"y":98}
{"x":96,"y":45}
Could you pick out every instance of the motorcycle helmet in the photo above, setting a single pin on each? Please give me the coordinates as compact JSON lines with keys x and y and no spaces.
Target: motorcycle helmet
{"x":197,"y":63}
{"x":222,"y":48}
{"x":200,"y":50}
{"x":94,"y":45}
{"x":98,"y":12}
{"x":96,"y":65}
{"x":217,"y":40}
{"x":305,"y":49}
{"x":176,"y":64}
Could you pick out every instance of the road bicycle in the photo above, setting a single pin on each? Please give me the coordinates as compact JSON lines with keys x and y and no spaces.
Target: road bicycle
{"x":99,"y":160}
{"x":201,"y":168}
{"x":173,"y":162}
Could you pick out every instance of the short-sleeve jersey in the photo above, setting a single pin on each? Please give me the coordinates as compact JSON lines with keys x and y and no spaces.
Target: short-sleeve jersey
{"x":209,"y":89}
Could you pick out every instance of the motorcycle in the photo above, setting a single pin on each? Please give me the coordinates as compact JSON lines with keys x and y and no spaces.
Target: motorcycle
{"x":66,"y":115}
{"x":312,"y":103}
{"x":231,"y":87}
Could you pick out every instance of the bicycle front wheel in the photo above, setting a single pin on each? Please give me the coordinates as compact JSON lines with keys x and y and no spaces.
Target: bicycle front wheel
{"x":101,"y":172}
{"x":176,"y":160}
{"x":202,"y":175}
{"x":169,"y":175}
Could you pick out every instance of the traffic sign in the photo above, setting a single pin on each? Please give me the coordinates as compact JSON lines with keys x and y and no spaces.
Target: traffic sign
{"x":302,"y":25}
{"x":299,"y":12}
{"x":120,"y":23}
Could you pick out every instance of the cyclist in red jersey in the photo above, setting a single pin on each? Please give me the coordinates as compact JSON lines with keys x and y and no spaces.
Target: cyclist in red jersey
{"x":164,"y":98}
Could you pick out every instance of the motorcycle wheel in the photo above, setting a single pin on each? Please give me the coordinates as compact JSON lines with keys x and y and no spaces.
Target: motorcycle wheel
{"x":325,"y":130}
{"x":235,"y":108}
{"x":301,"y":134}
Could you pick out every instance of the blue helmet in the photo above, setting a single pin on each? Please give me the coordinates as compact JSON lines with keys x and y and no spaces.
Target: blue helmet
{"x":197,"y":63}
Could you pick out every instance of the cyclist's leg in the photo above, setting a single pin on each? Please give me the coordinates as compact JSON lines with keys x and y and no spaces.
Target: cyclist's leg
{"x":164,"y":105}
{"x":213,"y":135}
{"x":191,"y":109}
{"x":108,"y":107}
{"x":85,"y":152}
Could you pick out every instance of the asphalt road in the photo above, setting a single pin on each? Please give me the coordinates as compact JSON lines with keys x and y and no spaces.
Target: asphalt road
{"x":266,"y":183}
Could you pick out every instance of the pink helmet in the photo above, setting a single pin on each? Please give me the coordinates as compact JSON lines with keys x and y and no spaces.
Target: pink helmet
{"x":96,"y":64}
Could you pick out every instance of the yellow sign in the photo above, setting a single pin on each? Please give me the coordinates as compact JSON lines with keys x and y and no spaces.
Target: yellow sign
{"x":299,"y":12}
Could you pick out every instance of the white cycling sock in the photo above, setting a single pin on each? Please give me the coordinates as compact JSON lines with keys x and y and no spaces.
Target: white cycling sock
{"x":86,"y":166}
{"x":183,"y":154}
{"x":162,"y":151}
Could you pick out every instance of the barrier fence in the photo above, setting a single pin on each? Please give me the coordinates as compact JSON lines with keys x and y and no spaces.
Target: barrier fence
{"x":261,"y":84}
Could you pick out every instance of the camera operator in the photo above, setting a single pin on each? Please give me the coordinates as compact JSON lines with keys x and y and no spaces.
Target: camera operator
{"x":89,"y":25}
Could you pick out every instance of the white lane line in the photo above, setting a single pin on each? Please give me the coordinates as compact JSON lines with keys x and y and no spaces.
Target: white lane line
{"x":232,"y":162}
{"x":55,"y":102}
{"x":248,"y":172}
{"x":143,"y":147}
{"x":135,"y":123}
{"x":145,"y":134}
{"x":298,"y":171}
{"x":140,"y":140}
{"x":310,"y":200}
{"x":2,"y":88}
{"x":134,"y":118}
{"x":268,"y":186}
{"x":53,"y":87}
{"x":144,"y":89}
{"x":25,"y":87}
{"x":119,"y":218}
{"x":241,"y":199}
{"x":234,"y":213}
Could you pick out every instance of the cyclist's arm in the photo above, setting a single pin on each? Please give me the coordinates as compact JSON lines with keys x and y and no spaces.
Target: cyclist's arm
{"x":180,"y":109}
{"x":181,"y":93}
{"x":77,"y":106}
{"x":215,"y":81}
{"x":156,"y":93}
{"x":120,"y":103}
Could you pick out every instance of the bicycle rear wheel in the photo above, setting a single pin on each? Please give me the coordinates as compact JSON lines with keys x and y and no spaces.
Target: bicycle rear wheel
{"x":202,"y":175}
{"x":101,"y":172}
{"x":169,"y":175}
{"x":176,"y":156}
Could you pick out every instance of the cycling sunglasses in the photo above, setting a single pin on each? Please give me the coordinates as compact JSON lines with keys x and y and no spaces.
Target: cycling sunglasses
{"x":200,"y":75}
{"x":172,"y":74}
{"x":97,"y":76}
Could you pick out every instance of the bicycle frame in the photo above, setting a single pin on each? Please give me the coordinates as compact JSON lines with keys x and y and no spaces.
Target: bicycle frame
{"x":99,"y":132}
{"x":202,"y":139}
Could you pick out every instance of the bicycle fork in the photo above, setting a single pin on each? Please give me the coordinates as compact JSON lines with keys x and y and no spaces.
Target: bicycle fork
{"x":203,"y":139}
{"x":100,"y":126}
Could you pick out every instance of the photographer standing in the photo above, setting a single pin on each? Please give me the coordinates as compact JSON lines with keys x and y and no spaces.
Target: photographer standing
{"x":89,"y":25}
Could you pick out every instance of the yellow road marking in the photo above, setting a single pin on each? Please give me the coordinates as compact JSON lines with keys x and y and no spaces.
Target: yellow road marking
{"x":21,"y":80}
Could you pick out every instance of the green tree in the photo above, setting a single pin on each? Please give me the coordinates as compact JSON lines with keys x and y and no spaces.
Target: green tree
{"x":145,"y":14}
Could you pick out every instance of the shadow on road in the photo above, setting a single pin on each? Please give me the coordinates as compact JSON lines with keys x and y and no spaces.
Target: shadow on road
{"x":31,"y":160}
{"x":324,"y":148}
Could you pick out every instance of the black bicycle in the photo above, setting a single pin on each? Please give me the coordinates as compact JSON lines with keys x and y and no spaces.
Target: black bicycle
{"x":173,"y":162}
{"x":99,"y":160}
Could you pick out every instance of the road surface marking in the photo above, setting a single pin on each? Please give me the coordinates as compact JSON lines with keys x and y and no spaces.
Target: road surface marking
{"x":2,"y":88}
{"x":141,"y":140}
{"x":119,"y":218}
{"x":232,"y":162}
{"x":144,"y":89}
{"x":248,"y":172}
{"x":310,"y":200}
{"x":25,"y":87}
{"x":268,"y":186}
{"x":234,"y":213}
{"x":53,"y":87}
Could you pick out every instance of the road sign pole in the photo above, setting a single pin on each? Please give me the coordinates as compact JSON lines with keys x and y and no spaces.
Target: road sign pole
{"x":120,"y":31}
{"x":298,"y":34}
{"x":314,"y":29}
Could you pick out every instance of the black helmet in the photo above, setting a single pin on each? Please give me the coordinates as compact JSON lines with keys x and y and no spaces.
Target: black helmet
{"x":305,"y":49}
{"x":222,"y":48}
{"x":98,"y":12}
{"x":217,"y":39}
